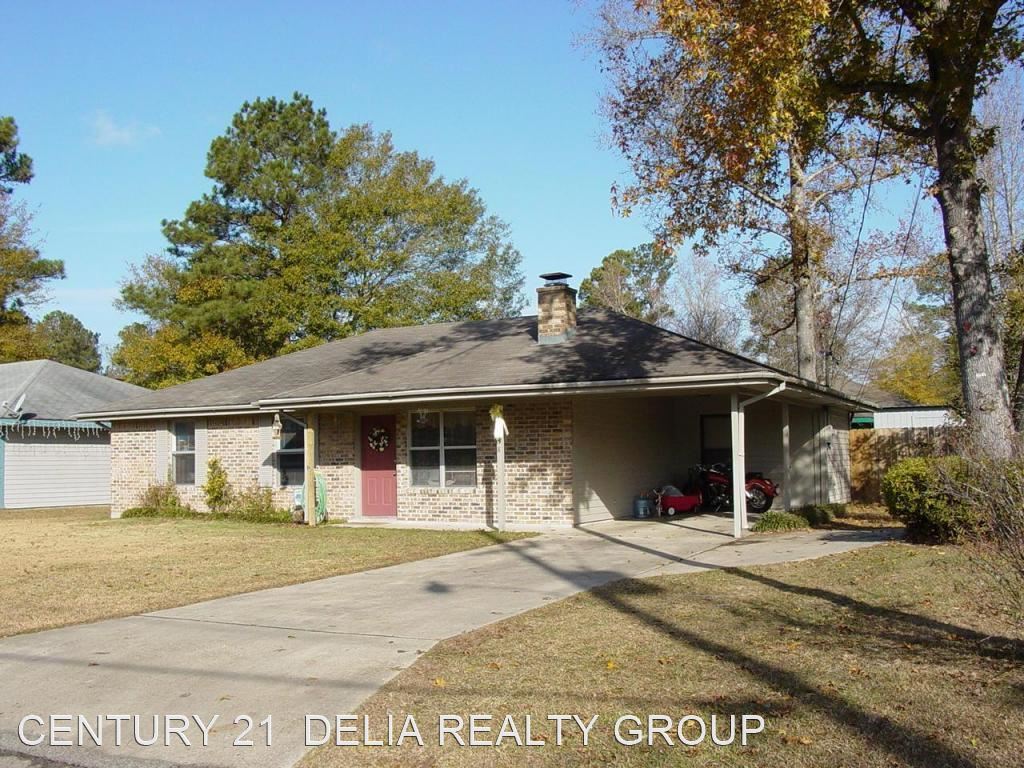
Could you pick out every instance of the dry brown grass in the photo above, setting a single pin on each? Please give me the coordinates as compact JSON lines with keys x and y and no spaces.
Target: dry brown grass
{"x":65,"y":566}
{"x":860,"y":515}
{"x":876,"y":658}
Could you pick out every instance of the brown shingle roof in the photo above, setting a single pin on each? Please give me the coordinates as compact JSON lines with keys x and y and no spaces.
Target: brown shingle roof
{"x":489,"y":353}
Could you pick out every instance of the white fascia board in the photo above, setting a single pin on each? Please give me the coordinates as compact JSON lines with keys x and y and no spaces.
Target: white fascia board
{"x":794,"y":386}
{"x":666,"y":384}
{"x":185,"y":411}
{"x":822,"y":395}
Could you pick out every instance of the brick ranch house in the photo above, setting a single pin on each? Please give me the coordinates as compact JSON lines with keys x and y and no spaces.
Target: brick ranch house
{"x":399,"y":422}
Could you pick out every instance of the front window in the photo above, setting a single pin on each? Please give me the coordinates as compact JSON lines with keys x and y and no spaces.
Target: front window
{"x":291,"y":461}
{"x":442,"y":445}
{"x":184,"y":453}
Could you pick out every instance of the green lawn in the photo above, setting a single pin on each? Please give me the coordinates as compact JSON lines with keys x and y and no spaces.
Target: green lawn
{"x":887,"y":656}
{"x":65,"y":566}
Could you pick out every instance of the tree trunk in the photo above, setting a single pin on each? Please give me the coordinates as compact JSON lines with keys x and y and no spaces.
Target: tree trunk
{"x":803,"y":277}
{"x":1017,"y":403}
{"x":982,"y":364}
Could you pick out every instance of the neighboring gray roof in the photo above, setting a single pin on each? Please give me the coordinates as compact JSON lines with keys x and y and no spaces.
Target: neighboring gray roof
{"x":56,"y":391}
{"x":883,"y":400}
{"x":490,"y":353}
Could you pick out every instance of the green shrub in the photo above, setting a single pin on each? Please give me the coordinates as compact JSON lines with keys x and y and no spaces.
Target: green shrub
{"x":776,"y":520}
{"x":180,"y":513}
{"x":161,"y":500}
{"x":821,"y":514}
{"x":217,"y":489}
{"x":923,"y":493}
{"x":256,"y":505}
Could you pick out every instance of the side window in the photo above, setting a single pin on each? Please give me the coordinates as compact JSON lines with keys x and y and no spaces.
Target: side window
{"x":183,"y":455}
{"x":291,"y":461}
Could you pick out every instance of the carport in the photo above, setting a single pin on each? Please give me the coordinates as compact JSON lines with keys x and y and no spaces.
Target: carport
{"x":627,"y":444}
{"x":528,"y":423}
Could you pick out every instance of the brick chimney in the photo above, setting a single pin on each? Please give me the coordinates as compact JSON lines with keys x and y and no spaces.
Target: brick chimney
{"x":556,"y":309}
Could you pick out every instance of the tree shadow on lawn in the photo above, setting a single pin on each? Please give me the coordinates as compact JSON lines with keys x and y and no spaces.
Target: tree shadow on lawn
{"x":990,"y":646}
{"x":906,"y":743}
{"x":936,"y":635}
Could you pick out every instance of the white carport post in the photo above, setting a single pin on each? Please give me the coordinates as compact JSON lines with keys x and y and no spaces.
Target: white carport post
{"x":786,"y":498}
{"x":739,"y":471}
{"x":739,"y":458}
{"x":501,"y":484}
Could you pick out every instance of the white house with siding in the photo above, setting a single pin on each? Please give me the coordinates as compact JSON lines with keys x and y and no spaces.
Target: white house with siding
{"x":47,"y":459}
{"x":894,"y":412}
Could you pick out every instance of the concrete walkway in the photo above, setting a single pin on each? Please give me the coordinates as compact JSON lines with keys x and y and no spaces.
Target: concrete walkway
{"x":325,"y":646}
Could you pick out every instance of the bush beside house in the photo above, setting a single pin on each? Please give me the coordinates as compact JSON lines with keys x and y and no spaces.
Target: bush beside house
{"x":253,"y":505}
{"x":927,"y":494}
{"x":217,"y":489}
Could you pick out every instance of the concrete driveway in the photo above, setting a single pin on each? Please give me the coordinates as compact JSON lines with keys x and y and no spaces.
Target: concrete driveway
{"x":324,"y":646}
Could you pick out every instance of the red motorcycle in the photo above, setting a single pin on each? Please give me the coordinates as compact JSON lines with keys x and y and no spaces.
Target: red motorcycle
{"x":710,"y":488}
{"x":716,"y":480}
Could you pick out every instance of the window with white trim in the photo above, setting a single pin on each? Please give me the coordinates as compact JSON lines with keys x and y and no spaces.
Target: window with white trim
{"x":442,"y":446}
{"x":183,"y":453}
{"x":291,"y":456}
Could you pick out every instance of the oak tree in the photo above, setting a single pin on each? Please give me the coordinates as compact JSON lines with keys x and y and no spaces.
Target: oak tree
{"x":727,"y":129}
{"x":915,"y":69}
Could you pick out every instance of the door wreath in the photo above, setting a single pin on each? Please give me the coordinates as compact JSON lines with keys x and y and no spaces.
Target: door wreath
{"x":378,"y":439}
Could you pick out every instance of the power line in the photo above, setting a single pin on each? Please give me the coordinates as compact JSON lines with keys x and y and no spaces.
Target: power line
{"x":856,"y":246}
{"x":864,"y":211}
{"x":895,"y":283}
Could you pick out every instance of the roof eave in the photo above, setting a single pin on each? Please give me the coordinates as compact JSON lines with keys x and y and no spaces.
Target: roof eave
{"x":656,"y":384}
{"x":184,"y":411}
{"x":913,"y":408}
{"x":660,"y":384}
{"x":827,"y":393}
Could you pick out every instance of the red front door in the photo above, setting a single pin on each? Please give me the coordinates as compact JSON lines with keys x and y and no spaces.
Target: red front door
{"x":380,"y":481}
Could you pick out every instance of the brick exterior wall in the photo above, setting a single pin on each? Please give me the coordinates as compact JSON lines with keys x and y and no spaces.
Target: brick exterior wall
{"x":538,"y":461}
{"x":132,"y":462}
{"x":538,"y":468}
{"x":462,"y":506}
{"x":235,"y":441}
{"x":336,"y":461}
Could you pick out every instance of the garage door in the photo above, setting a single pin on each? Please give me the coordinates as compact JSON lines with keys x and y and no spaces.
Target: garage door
{"x":56,"y":472}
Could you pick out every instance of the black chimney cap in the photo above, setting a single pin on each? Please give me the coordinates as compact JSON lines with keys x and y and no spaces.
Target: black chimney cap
{"x":555,"y":278}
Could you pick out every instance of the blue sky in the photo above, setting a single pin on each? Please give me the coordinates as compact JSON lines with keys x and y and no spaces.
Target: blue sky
{"x":117,"y":103}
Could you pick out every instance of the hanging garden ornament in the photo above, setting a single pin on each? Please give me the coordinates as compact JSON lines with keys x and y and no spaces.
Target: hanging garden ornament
{"x":378,"y":439}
